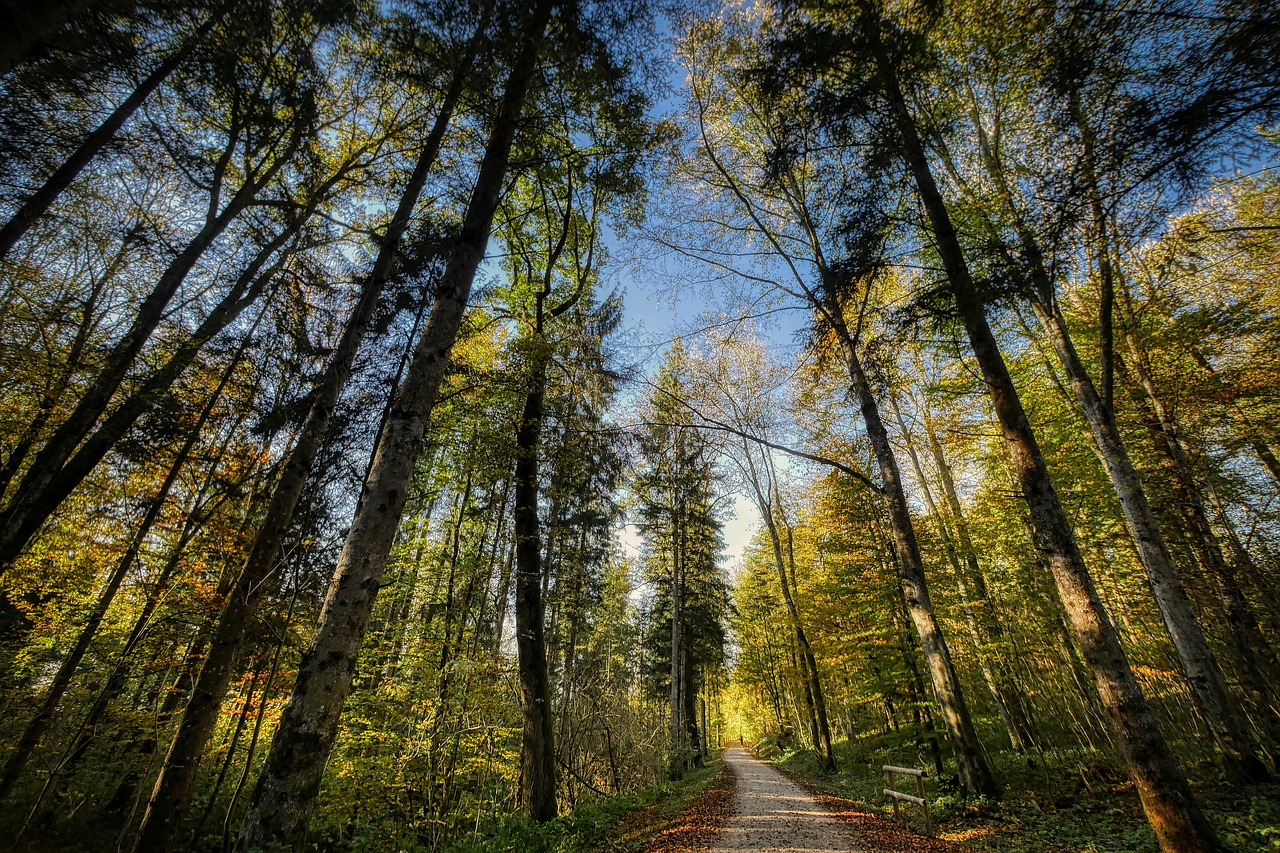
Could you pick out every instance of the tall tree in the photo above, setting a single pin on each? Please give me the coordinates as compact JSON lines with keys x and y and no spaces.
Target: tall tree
{"x":682,"y":540}
{"x":290,"y":780}
{"x":1026,"y":253}
{"x":159,"y":822}
{"x":891,"y":54}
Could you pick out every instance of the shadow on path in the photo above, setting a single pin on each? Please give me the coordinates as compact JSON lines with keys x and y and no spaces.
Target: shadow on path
{"x":771,"y":814}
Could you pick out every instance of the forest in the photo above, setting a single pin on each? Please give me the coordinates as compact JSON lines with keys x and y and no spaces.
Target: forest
{"x":424,"y":421}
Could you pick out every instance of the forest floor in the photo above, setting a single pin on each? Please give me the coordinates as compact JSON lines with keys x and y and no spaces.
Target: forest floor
{"x":786,"y":804}
{"x":1096,"y":811}
{"x":758,"y":809}
{"x":687,"y":819}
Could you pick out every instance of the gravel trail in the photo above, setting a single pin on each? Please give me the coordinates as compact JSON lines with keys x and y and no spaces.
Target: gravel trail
{"x":771,"y":814}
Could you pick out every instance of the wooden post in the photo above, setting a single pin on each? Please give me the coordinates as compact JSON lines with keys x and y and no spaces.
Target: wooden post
{"x":888,"y":781}
{"x":924,"y":804}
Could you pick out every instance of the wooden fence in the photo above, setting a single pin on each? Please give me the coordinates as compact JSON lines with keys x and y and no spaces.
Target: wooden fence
{"x":896,"y":796}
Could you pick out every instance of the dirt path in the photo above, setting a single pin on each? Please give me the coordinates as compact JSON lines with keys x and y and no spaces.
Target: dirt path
{"x":771,"y":814}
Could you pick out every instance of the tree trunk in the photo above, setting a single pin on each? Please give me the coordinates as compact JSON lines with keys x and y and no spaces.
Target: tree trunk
{"x":290,"y":780}
{"x":1257,"y":661}
{"x":1007,"y":682}
{"x":43,"y":718}
{"x":1199,"y":665}
{"x":926,"y":734}
{"x":689,"y":693}
{"x":1000,"y":688}
{"x":822,"y":723}
{"x":807,"y":663}
{"x":200,"y":716}
{"x":195,"y":518}
{"x":678,"y":756}
{"x":1166,"y":796}
{"x":537,"y":753}
{"x":975,"y":774}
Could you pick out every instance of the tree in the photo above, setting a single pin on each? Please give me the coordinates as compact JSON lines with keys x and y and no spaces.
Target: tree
{"x":159,"y":823}
{"x":682,"y":539}
{"x":896,"y":52}
{"x":1025,"y":253}
{"x":287,"y":787}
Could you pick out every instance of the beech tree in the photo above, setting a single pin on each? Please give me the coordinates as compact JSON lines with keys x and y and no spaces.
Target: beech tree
{"x":894,"y":55}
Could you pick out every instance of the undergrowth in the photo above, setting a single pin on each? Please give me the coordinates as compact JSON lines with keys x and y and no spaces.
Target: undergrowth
{"x":599,"y":826}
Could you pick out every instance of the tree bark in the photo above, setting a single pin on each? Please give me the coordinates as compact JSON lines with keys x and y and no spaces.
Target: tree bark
{"x":1199,"y":664}
{"x":537,"y":753}
{"x":1166,"y":796}
{"x":200,"y":715}
{"x":283,"y":797}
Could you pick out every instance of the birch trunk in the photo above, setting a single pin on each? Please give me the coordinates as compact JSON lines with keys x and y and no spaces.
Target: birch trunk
{"x":1199,"y":665}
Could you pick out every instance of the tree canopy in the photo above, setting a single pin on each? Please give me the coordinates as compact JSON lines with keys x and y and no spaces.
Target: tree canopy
{"x":385,"y":388}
